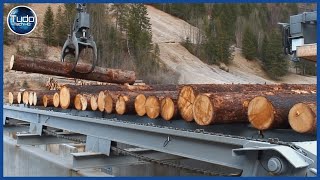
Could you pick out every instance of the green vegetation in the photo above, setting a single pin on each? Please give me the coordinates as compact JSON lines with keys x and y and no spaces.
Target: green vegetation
{"x":247,"y":26}
{"x":249,"y":45}
{"x":49,"y":27}
{"x":274,"y":61}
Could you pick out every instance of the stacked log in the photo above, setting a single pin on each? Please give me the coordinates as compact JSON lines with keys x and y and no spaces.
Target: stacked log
{"x":38,"y":96}
{"x":188,"y":93}
{"x":303,"y":117}
{"x":25,"y":97}
{"x":169,"y":108}
{"x":14,"y":97}
{"x":271,"y":111}
{"x":264,"y":106}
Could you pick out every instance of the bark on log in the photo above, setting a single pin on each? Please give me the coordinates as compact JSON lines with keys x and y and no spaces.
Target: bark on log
{"x":152,"y":107}
{"x":58,"y":68}
{"x":221,"y":108}
{"x":188,"y":93}
{"x":303,"y":117}
{"x":48,"y":100}
{"x":13,"y":98}
{"x":38,"y":96}
{"x":84,"y":102}
{"x":169,"y":108}
{"x":271,"y":111}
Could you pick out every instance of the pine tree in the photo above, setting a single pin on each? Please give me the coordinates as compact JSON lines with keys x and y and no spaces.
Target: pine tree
{"x":49,"y":27}
{"x":61,"y":27}
{"x":249,"y":44}
{"x":274,"y":61}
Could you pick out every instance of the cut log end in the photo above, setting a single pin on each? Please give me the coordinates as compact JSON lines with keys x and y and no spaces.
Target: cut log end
{"x":101,"y":101}
{"x":167,"y":108}
{"x":84,"y":103}
{"x":56,"y":100}
{"x":25,"y":97}
{"x":203,"y":110}
{"x":11,"y":62}
{"x":139,"y":104}
{"x":30,"y":99}
{"x":19,"y":97}
{"x":121,"y":105}
{"x":186,"y":98}
{"x":94,"y":103}
{"x":261,"y":113}
{"x":65,"y":97}
{"x":152,"y":107}
{"x":108,"y":107}
{"x":77,"y":102}
{"x":10,"y":98}
{"x":45,"y":100}
{"x":302,"y":118}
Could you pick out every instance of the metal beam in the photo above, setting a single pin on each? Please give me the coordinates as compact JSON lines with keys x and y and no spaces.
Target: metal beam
{"x":34,"y":139}
{"x":204,"y":147}
{"x":95,"y":160}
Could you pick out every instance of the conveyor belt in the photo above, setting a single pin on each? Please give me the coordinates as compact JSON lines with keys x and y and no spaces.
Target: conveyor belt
{"x":234,"y":129}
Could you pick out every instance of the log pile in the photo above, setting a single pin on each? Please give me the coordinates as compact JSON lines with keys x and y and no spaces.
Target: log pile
{"x":261,"y":106}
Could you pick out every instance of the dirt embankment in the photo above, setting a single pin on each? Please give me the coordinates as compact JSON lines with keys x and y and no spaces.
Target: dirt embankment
{"x":169,"y":32}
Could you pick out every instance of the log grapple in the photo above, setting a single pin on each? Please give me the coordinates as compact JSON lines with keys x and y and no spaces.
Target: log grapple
{"x":80,"y":38}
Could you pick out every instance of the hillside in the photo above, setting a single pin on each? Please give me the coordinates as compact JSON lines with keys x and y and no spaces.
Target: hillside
{"x":168,"y":32}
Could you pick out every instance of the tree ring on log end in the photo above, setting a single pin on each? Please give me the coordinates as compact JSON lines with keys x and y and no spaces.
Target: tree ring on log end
{"x":152,"y":107}
{"x":203,"y":110}
{"x":19,"y":97}
{"x":30,"y":98}
{"x":77,"y":102}
{"x":139,"y":104}
{"x":121,"y":105}
{"x":10,"y":97}
{"x":261,"y":113}
{"x":302,"y":118}
{"x":186,"y":98}
{"x":101,"y":101}
{"x":45,"y":100}
{"x":108,"y":107}
{"x":11,"y":62}
{"x":35,"y":98}
{"x":64,"y":97}
{"x":94,"y":103}
{"x":167,"y":108}
{"x":25,"y":97}
{"x":56,"y":99}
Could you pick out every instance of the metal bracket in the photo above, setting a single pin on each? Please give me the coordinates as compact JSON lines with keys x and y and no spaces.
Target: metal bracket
{"x":98,"y":145}
{"x":291,"y":155}
{"x":36,"y":128}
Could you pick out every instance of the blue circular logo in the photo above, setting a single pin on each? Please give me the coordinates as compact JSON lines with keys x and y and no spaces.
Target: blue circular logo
{"x":22,"y":20}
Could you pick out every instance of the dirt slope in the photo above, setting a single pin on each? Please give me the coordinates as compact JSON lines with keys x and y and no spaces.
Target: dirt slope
{"x":169,"y":31}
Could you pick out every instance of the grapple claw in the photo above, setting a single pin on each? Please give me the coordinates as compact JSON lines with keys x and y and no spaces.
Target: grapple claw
{"x":80,"y":39}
